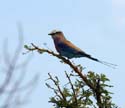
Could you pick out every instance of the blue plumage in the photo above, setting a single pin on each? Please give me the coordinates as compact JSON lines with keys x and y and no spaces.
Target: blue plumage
{"x":67,"y":49}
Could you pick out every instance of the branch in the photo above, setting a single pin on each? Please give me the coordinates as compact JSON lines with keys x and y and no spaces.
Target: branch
{"x":56,"y":84}
{"x":98,"y":94}
{"x":66,"y":61}
{"x":95,"y":89}
{"x":12,"y":92}
{"x":73,"y":89}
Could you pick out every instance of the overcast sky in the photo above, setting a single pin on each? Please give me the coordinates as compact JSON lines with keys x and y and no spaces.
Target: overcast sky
{"x":96,"y":26}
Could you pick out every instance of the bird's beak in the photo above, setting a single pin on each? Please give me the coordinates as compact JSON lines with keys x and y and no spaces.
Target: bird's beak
{"x":50,"y":34}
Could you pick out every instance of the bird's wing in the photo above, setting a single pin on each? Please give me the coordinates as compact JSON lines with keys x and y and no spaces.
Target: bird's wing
{"x":71,"y":45}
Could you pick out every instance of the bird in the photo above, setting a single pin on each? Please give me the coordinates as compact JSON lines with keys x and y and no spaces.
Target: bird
{"x":67,"y":49}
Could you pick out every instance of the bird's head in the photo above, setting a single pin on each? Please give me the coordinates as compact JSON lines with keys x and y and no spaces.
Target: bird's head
{"x":57,"y":34}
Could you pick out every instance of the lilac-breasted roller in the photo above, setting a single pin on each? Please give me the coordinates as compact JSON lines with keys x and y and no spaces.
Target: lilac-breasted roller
{"x":67,"y":49}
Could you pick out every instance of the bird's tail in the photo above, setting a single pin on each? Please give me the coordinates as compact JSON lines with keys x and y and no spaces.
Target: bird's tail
{"x":103,"y":62}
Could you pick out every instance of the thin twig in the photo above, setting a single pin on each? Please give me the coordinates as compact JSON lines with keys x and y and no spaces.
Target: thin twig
{"x":74,"y":93}
{"x":56,"y":84}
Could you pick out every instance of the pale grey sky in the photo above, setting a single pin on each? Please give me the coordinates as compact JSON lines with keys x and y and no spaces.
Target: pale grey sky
{"x":96,"y":26}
